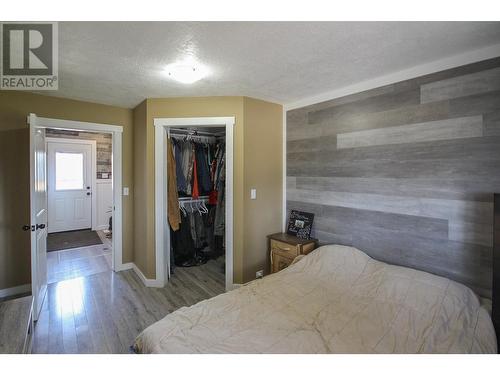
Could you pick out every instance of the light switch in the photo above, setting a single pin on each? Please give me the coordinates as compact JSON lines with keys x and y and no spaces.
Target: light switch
{"x":253,"y":193}
{"x":125,"y":191}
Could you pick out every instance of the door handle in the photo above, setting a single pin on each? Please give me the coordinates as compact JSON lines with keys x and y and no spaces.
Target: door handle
{"x":40,"y":226}
{"x":29,"y":227}
{"x":89,"y":193}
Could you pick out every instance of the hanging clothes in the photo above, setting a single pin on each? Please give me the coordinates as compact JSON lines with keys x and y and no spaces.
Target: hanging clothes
{"x":205,"y":183}
{"x":196,"y":193}
{"x":187,"y":164}
{"x":182,"y":243}
{"x":174,"y":215}
{"x":181,"y":179}
{"x":199,"y":170}
{"x":220,"y":210}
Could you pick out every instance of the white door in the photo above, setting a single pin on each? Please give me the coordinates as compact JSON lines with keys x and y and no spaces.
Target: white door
{"x":70,"y":185}
{"x":38,"y":207}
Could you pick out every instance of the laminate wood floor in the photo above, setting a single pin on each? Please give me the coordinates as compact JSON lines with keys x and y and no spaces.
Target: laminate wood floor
{"x":81,"y":261}
{"x":104,"y":312}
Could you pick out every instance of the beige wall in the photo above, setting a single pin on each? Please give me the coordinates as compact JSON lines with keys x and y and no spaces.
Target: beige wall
{"x":257,"y":163}
{"x":260,"y":115}
{"x":14,"y":172}
{"x":263,"y":159}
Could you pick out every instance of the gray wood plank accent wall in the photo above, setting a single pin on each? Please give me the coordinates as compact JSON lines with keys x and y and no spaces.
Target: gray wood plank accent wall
{"x":405,"y":172}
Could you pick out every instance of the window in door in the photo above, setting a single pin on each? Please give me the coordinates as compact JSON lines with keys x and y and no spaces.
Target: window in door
{"x":69,"y":171}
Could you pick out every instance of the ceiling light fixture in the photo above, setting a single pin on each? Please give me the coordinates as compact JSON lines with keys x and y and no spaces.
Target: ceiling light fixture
{"x":186,"y":72}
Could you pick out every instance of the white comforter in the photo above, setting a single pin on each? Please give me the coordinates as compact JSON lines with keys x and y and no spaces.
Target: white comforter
{"x":335,"y":300}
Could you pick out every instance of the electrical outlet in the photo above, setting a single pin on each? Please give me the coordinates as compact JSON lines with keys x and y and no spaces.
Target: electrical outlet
{"x":259,"y":274}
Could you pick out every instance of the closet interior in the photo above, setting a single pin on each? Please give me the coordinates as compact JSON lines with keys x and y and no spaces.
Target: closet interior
{"x":196,"y":195}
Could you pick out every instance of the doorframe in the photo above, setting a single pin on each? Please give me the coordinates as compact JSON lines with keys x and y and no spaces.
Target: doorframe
{"x":93,"y":171}
{"x":116,"y":175}
{"x":162,"y":234}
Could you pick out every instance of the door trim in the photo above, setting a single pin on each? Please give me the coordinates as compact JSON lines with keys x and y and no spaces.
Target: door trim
{"x":116,"y":132}
{"x":162,"y":235}
{"x":93,"y":170}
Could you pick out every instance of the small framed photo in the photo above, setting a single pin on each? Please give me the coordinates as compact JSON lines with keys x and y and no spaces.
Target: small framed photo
{"x":300,"y":224}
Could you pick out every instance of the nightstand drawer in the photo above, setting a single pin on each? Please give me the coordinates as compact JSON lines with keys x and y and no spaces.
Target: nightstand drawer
{"x":285,"y":249}
{"x":279,"y":263}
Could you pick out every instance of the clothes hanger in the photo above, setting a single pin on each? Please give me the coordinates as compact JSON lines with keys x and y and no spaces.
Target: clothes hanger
{"x":183,"y":210}
{"x":204,"y":207}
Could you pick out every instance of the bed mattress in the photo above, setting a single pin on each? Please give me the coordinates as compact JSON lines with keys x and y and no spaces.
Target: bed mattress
{"x":335,"y":300}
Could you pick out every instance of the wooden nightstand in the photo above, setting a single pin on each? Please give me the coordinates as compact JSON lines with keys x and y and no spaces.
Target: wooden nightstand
{"x":283,"y":248}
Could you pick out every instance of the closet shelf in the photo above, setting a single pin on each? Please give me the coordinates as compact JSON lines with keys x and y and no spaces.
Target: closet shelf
{"x":191,"y":199}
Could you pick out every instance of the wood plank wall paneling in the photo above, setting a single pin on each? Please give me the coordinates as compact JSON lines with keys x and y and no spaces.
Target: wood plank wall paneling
{"x":405,"y":172}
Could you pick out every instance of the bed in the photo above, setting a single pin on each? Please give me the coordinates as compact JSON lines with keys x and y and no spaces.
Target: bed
{"x":334,"y":300}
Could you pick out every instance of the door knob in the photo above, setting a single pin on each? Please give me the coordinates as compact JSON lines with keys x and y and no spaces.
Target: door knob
{"x":89,"y":193}
{"x":29,"y":227}
{"x":88,"y":187}
{"x":40,"y":226}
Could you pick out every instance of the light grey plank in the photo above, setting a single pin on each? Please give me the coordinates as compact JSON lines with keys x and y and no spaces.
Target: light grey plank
{"x":465,"y":127}
{"x":467,"y":232}
{"x":446,"y":188}
{"x":469,"y":84}
{"x":492,"y":124}
{"x":480,"y":212}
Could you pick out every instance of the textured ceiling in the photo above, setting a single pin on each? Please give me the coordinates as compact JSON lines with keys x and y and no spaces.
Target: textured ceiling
{"x":121,"y":63}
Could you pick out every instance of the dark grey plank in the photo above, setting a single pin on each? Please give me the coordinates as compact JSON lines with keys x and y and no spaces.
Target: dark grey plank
{"x":475,"y":104}
{"x":345,"y":220}
{"x":405,"y":115}
{"x":478,"y":148}
{"x":405,"y":85}
{"x":368,"y":105}
{"x":452,"y":169}
{"x":464,"y":85}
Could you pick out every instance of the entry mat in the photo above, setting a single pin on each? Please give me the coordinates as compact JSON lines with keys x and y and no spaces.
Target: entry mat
{"x":72,"y":239}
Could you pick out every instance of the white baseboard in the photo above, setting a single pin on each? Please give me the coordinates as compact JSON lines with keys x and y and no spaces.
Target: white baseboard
{"x":125,"y":266}
{"x":152,"y":283}
{"x":15,"y":290}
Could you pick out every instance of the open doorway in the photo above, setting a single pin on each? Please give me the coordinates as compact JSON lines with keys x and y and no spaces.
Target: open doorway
{"x":80,"y":203}
{"x":39,"y":193}
{"x":201,"y":241}
{"x":197,"y":238}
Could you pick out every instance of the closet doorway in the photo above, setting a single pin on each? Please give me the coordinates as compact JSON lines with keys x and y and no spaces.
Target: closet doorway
{"x":199,"y":228}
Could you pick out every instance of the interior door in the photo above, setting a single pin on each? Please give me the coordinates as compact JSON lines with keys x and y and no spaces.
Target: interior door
{"x":38,"y":208}
{"x":69,"y":184}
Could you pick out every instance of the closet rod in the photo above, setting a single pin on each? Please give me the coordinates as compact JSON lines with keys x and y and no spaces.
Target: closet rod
{"x":200,"y":137}
{"x":192,"y":132}
{"x":183,"y":199}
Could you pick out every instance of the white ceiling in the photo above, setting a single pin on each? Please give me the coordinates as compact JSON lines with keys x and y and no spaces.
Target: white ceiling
{"x":121,"y":63}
